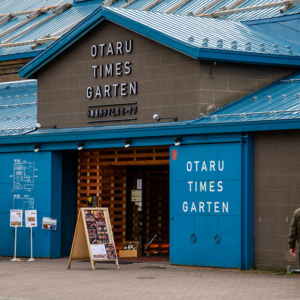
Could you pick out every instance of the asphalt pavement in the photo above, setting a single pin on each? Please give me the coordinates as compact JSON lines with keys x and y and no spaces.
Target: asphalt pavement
{"x":51,"y":279}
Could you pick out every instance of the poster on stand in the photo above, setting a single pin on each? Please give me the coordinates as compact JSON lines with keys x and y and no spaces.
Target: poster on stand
{"x":93,"y":237}
{"x":98,"y":251}
{"x":49,"y":224}
{"x":30,"y":218}
{"x":16,"y":216}
{"x":110,"y":251}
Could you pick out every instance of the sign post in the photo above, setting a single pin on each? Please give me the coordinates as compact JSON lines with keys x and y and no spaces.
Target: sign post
{"x":93,"y":237}
{"x":31,"y":221}
{"x":16,"y":216}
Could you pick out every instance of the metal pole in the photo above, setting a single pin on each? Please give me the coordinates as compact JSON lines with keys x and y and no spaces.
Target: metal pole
{"x":15,"y":255}
{"x":31,"y":259}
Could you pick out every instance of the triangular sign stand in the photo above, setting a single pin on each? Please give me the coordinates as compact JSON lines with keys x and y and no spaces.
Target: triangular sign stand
{"x":82,"y":247}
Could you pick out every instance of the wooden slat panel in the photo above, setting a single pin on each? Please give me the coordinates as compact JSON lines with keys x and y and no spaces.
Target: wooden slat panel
{"x":102,"y":173}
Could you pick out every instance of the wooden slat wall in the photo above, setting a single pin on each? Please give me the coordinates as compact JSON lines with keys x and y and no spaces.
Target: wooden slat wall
{"x":102,"y":173}
{"x":9,"y":69}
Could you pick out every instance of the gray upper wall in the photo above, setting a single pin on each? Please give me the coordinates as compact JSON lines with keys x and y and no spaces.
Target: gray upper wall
{"x":169,"y":83}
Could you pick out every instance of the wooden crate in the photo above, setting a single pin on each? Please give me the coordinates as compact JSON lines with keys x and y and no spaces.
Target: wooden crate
{"x":131,"y":253}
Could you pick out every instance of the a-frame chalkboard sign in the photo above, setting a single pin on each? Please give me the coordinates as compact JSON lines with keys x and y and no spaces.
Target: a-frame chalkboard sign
{"x":93,"y":237}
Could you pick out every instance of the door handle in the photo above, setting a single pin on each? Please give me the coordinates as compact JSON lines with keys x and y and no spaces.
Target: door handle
{"x":217,"y":239}
{"x":13,"y":233}
{"x":193,"y":238}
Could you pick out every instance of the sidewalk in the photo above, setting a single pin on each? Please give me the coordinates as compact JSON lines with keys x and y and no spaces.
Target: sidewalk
{"x":50,"y":279}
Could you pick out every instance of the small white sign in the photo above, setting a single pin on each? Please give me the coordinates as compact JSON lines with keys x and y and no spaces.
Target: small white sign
{"x":139,"y":184}
{"x":49,"y":224}
{"x":16,"y":216}
{"x":30,"y":218}
{"x":98,"y":251}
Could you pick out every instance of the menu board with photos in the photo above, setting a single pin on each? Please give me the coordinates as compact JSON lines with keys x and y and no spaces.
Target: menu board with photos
{"x":16,"y":216}
{"x":93,"y":237}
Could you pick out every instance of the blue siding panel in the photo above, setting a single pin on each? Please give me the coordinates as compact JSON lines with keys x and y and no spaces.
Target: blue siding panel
{"x":16,"y":197}
{"x":207,"y":200}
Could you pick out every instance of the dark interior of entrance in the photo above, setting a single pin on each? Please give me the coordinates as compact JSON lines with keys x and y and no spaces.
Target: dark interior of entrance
{"x":111,"y":175}
{"x":150,"y":217}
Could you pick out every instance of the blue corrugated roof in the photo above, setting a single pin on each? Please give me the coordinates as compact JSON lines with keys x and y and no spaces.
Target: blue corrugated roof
{"x":18,"y":107}
{"x":70,"y":16}
{"x":195,"y":37}
{"x":11,"y":6}
{"x":277,"y":101}
{"x":263,"y":13}
{"x":192,"y":6}
{"x":182,"y":27}
{"x":195,"y":5}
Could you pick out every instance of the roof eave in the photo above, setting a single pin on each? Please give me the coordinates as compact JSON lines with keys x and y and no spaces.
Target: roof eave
{"x":143,"y":133}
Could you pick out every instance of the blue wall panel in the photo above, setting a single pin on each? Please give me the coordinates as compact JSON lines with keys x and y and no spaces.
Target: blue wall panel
{"x":206,"y":200}
{"x":183,"y":252}
{"x":26,"y":182}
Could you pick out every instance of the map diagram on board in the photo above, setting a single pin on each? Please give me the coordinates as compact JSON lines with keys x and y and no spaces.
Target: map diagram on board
{"x":23,"y":175}
{"x":25,"y":203}
{"x":23,"y":184}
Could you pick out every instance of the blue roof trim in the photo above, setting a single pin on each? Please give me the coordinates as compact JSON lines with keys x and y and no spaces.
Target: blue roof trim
{"x":61,"y":139}
{"x":20,"y":55}
{"x":191,"y":50}
{"x":86,"y":2}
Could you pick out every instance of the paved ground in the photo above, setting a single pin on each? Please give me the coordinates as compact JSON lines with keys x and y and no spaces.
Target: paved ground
{"x":50,"y":279}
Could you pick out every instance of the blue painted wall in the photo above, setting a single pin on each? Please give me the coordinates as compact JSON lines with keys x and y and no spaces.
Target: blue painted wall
{"x":30,"y":181}
{"x":214,"y":212}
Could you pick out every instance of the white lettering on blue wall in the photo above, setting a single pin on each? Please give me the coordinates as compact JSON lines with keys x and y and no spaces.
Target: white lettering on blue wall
{"x":195,"y":186}
{"x":206,"y":166}
{"x":206,"y":207}
{"x":205,"y":187}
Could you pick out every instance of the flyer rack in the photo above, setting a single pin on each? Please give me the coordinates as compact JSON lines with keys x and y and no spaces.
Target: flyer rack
{"x":93,"y":237}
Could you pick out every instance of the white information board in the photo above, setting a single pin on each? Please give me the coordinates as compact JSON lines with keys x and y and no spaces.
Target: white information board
{"x":16,"y":216}
{"x":31,"y":218}
{"x":49,"y":224}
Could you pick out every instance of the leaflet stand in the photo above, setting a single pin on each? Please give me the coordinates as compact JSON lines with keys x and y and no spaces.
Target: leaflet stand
{"x":15,"y":258}
{"x":31,"y":258}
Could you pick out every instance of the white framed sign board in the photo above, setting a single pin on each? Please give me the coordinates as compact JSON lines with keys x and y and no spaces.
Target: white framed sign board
{"x":16,"y":217}
{"x":30,"y":218}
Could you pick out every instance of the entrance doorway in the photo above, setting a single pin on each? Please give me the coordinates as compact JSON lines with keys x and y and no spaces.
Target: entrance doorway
{"x":149,"y":217}
{"x":111,"y":174}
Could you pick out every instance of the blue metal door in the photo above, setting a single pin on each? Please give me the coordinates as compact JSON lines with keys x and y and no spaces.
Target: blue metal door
{"x":206,"y":205}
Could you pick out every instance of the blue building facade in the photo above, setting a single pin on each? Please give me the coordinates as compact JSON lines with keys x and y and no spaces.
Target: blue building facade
{"x":101,"y":82}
